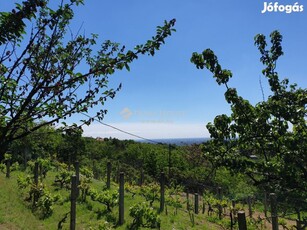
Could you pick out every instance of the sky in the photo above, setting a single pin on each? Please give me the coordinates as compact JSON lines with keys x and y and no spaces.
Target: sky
{"x":165,"y":96}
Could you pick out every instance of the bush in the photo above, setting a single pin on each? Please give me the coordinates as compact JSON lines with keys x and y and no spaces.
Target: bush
{"x":143,"y":216}
{"x":2,"y":167}
{"x":15,"y":166}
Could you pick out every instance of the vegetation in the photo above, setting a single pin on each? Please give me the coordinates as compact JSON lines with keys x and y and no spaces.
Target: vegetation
{"x":39,"y":74}
{"x":267,"y":141}
{"x":100,"y":209}
{"x":256,"y":150}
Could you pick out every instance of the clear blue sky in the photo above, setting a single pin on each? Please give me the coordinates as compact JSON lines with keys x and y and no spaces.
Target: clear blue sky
{"x":166,"y":96}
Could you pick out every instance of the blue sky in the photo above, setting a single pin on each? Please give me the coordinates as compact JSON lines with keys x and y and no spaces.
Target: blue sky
{"x":166,"y":96}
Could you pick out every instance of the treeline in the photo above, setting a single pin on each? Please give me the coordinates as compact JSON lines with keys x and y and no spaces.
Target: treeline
{"x":141,"y":162}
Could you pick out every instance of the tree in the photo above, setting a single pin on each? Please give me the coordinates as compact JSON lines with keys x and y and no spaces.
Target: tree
{"x":72,"y":146}
{"x":266,"y":141}
{"x":39,"y":73}
{"x":42,"y":143}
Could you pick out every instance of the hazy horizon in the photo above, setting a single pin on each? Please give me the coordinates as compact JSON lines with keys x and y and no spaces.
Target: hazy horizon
{"x":147,"y":130}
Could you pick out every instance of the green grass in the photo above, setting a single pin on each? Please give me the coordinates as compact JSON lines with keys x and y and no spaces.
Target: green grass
{"x":15,"y":213}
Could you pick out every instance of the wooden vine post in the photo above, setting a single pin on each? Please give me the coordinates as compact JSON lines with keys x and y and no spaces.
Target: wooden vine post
{"x":298,"y":225}
{"x":249,"y":202}
{"x":274,"y":211}
{"x":196,"y":203}
{"x":109,"y":168}
{"x":35,"y":195}
{"x":220,"y":200}
{"x":73,"y":199}
{"x":8,"y":168}
{"x":121,"y":198}
{"x":162,"y":191}
{"x":242,"y":220}
{"x":141,"y":177}
{"x":77,"y":171}
{"x":232,"y":214}
{"x":117,"y":172}
{"x":188,"y":200}
{"x":40,"y":170}
{"x":204,"y":206}
{"x":36,"y":173}
{"x":265,"y":202}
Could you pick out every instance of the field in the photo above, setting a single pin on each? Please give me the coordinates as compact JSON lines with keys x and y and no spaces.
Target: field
{"x":15,"y":213}
{"x":92,"y":212}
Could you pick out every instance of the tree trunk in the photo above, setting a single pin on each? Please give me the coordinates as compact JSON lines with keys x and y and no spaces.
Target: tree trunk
{"x":3,"y":149}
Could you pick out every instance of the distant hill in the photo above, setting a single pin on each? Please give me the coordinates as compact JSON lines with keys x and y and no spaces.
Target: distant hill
{"x":178,"y":141}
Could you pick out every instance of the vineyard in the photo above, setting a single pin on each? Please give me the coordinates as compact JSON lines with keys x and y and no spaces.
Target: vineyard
{"x":52,"y":195}
{"x":250,"y":174}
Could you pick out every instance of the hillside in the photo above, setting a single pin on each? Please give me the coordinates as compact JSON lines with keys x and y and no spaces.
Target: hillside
{"x":15,"y":212}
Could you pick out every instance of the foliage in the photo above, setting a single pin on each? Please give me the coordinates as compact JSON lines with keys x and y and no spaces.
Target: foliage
{"x":30,"y":165}
{"x":14,"y":210}
{"x":86,"y":177}
{"x":23,"y":181}
{"x":105,"y":226}
{"x":195,"y":171}
{"x":188,"y":168}
{"x":72,"y":144}
{"x":41,"y":144}
{"x":15,"y":166}
{"x":266,"y":141}
{"x":215,"y":204}
{"x":87,"y":173}
{"x":63,"y":178}
{"x":143,"y":216}
{"x":44,"y":166}
{"x":40,"y":200}
{"x":134,"y":190}
{"x":7,"y":157}
{"x":107,"y":197}
{"x":45,"y":204}
{"x":173,"y":198}
{"x":2,"y":167}
{"x":39,"y":72}
{"x":237,"y":187}
{"x":150,"y":192}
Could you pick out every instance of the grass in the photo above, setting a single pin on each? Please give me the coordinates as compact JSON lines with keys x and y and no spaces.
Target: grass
{"x":13,"y":212}
{"x":16,"y":214}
